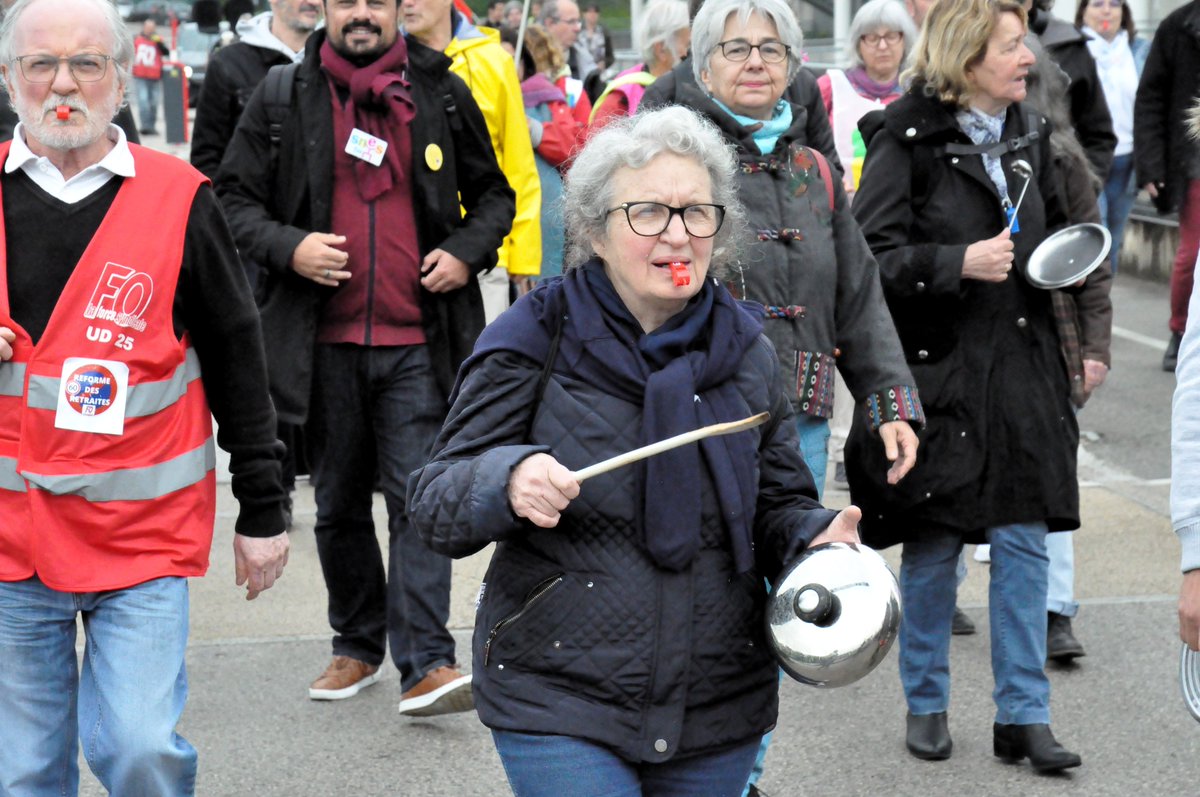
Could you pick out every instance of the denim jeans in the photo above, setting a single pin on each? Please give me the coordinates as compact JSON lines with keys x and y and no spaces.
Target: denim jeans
{"x":1060,"y":587}
{"x":122,"y":706}
{"x":814,"y":447}
{"x":1116,"y":201}
{"x":564,"y":766}
{"x":147,"y":103}
{"x":1017,"y":611}
{"x":377,"y":410}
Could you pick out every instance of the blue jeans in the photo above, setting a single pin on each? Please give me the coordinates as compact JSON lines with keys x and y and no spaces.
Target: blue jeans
{"x":565,"y":766}
{"x":814,"y":447}
{"x":377,"y":410}
{"x":147,"y":103}
{"x":1060,"y":586}
{"x":124,"y":704}
{"x":1017,"y":610}
{"x":1116,"y":201}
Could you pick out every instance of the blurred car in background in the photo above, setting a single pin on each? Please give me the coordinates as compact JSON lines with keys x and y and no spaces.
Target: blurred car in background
{"x":193,"y":49}
{"x":160,"y":11}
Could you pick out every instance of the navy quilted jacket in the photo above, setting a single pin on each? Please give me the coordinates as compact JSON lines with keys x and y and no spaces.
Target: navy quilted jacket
{"x":577,"y":632}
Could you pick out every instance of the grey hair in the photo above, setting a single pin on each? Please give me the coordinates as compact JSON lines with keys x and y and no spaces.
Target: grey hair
{"x":122,"y":41}
{"x":550,"y":12}
{"x":886,"y":14}
{"x":709,"y":25}
{"x":632,"y":142}
{"x":661,"y":20}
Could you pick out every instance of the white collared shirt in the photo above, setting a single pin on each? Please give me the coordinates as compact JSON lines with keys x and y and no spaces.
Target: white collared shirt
{"x":118,"y":162}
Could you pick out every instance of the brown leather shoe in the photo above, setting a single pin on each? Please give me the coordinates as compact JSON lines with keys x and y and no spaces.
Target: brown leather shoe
{"x":442,"y":691}
{"x":344,"y":677}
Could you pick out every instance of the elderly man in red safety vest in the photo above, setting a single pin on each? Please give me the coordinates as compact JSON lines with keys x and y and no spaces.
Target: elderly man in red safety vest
{"x":124,"y":316}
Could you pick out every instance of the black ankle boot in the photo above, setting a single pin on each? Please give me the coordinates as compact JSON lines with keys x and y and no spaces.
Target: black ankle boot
{"x":1061,"y":644}
{"x":928,"y":736}
{"x":1035,"y":742}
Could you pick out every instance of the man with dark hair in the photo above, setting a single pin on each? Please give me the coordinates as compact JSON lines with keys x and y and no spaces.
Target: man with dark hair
{"x":350,"y":200}
{"x":495,"y":14}
{"x":117,"y":336}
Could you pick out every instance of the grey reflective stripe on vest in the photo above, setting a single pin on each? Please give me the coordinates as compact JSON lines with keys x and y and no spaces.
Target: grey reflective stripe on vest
{"x":133,"y":484}
{"x":144,"y":399}
{"x":12,"y":378}
{"x":9,"y":479}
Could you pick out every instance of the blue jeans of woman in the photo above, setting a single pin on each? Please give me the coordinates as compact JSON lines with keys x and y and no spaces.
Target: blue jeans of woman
{"x":565,"y":766}
{"x":122,"y":706}
{"x":1116,"y":201}
{"x":1017,"y":610}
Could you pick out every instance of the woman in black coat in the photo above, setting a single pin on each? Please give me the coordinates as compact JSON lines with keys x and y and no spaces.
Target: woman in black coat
{"x":619,"y":641}
{"x":997,"y":457}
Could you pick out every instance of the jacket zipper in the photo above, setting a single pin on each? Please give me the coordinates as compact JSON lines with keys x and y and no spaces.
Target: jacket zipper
{"x":371,"y":273}
{"x":535,"y":595}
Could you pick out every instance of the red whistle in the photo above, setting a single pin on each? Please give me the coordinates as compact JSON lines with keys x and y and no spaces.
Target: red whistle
{"x":680,"y":274}
{"x":63,"y":112}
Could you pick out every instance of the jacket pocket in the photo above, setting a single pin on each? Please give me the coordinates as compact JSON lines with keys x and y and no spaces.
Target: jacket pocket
{"x":536,"y":595}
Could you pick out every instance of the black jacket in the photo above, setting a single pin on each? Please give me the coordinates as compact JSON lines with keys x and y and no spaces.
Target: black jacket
{"x":1000,"y":440}
{"x":233,"y":74}
{"x":671,"y":89}
{"x":1089,"y":110}
{"x":1170,"y":84}
{"x":273,"y":203}
{"x":577,"y":631}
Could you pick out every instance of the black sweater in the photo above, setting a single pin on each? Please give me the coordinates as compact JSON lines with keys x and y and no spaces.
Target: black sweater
{"x":45,"y":238}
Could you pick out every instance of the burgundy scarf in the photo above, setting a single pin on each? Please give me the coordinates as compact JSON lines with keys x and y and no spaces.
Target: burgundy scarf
{"x":380,"y":105}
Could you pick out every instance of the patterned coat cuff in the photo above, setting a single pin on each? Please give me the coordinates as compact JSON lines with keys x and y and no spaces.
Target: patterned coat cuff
{"x":897,"y":403}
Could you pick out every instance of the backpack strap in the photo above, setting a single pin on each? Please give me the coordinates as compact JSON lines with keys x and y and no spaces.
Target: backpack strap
{"x":277,"y":99}
{"x":826,"y":174}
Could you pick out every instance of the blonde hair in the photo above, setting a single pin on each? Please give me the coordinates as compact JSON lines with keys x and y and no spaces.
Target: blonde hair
{"x":954,"y":39}
{"x":547,"y":55}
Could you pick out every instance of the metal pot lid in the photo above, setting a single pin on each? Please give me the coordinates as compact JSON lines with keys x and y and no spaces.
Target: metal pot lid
{"x":1189,"y":679}
{"x":1068,"y":256}
{"x":833,"y":615}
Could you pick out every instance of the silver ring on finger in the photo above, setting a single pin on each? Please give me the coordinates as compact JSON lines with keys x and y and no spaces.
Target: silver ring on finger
{"x":327,"y":273}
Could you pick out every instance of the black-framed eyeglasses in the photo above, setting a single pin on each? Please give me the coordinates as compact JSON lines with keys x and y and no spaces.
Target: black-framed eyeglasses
{"x":873,"y":39}
{"x":771,"y":51}
{"x":84,"y":68}
{"x":652,"y":218}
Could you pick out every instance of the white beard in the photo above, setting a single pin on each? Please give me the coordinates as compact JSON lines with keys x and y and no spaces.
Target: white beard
{"x":42,"y":125}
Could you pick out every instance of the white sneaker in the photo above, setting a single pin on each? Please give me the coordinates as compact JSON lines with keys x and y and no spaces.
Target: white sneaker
{"x":983,"y":553}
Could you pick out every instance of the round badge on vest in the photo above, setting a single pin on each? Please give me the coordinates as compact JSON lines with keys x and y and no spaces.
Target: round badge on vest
{"x":433,"y":157}
{"x":92,"y":396}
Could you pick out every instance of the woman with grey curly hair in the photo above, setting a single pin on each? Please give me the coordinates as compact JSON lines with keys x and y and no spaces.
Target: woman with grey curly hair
{"x":621,"y":645}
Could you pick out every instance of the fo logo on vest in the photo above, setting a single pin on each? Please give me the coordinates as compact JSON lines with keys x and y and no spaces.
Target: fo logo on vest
{"x":122,"y":296}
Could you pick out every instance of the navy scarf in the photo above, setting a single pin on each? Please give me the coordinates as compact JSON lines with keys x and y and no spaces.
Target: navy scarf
{"x":681,"y":375}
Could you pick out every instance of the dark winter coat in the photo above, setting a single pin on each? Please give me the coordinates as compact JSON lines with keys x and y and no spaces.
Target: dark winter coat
{"x":999,"y":445}
{"x":1089,"y":109}
{"x":678,"y":85}
{"x":233,"y":74}
{"x":1169,"y":86}
{"x":577,"y":632}
{"x":272,"y":204}
{"x":814,"y":273}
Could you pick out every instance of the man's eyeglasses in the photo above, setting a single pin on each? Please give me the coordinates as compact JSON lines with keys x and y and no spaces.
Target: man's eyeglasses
{"x":84,"y":68}
{"x":873,"y":39}
{"x":574,"y":23}
{"x":652,"y":218}
{"x":772,"y":52}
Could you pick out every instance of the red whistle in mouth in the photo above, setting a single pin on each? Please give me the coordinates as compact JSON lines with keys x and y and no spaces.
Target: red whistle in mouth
{"x":63,"y":112}
{"x":680,"y":274}
{"x":1106,"y":24}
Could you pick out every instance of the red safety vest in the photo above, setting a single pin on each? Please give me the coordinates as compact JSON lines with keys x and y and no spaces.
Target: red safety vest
{"x":86,"y":510}
{"x":147,"y":58}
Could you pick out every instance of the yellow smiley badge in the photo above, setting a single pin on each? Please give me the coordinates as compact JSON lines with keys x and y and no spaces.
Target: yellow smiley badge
{"x":433,"y":157}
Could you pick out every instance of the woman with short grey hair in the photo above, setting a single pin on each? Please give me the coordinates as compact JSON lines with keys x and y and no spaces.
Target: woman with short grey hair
{"x":708,"y":28}
{"x":881,"y":36}
{"x":665,"y":33}
{"x":621,"y":647}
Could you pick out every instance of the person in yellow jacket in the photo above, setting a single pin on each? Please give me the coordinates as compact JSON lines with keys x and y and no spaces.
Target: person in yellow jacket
{"x":489,"y":72}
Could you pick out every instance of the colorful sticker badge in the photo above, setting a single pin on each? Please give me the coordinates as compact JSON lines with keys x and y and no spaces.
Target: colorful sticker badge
{"x":92,"y":396}
{"x":433,"y":157}
{"x":364,"y":146}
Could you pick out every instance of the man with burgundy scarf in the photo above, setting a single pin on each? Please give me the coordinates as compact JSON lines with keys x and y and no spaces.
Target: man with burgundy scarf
{"x":370,"y":302}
